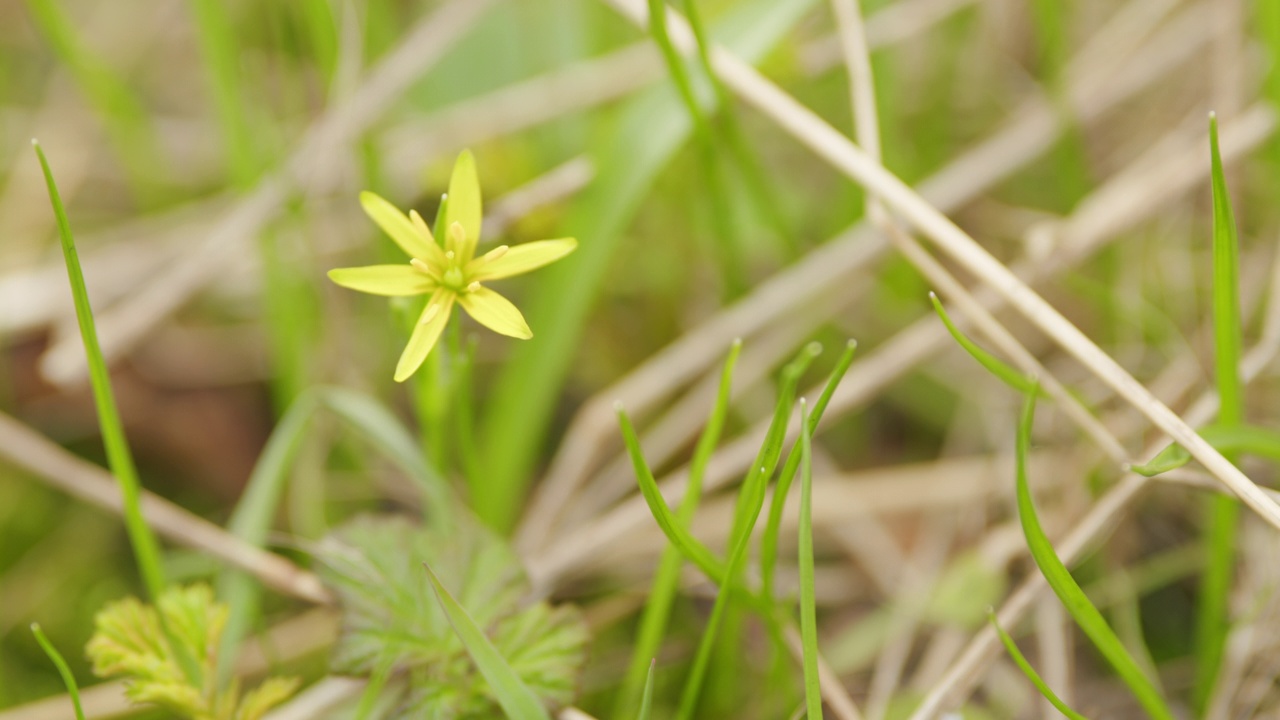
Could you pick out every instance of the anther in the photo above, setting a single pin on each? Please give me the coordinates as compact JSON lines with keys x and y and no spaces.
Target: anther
{"x":420,"y":265}
{"x":473,"y":287}
{"x":448,"y":254}
{"x":495,"y":253}
{"x":432,"y":311}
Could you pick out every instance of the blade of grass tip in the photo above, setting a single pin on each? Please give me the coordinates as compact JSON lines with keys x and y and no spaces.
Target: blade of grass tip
{"x":808,"y":607}
{"x":1011,"y":377}
{"x":666,"y":580}
{"x":516,"y":699}
{"x":646,"y":701}
{"x":750,"y":502}
{"x":689,"y":546}
{"x":145,"y":548}
{"x":1233,"y":440}
{"x":1012,"y":648}
{"x":773,"y":525}
{"x":1220,"y":534}
{"x":63,"y":669}
{"x":1064,"y":586}
{"x":251,"y":521}
{"x":731,"y":263}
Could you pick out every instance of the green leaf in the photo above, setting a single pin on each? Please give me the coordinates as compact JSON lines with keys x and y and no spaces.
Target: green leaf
{"x":1011,"y":377}
{"x":1031,"y":673}
{"x":56,"y":658}
{"x":1230,"y":440}
{"x":374,"y":565}
{"x":516,"y":699}
{"x":808,"y":611}
{"x":1065,"y":587}
{"x":646,"y":702}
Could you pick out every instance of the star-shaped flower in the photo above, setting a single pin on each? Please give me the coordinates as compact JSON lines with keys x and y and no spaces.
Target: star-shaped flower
{"x":452,"y":274}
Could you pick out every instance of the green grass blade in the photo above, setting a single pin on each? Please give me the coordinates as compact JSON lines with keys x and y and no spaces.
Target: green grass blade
{"x":1232,"y":440}
{"x":221,"y":61}
{"x":747,"y":512}
{"x":251,"y":521}
{"x":1032,"y":675}
{"x":773,"y":524}
{"x":1213,"y":610}
{"x":516,"y":699}
{"x":1011,"y":377}
{"x":666,"y":581}
{"x":676,"y":533}
{"x":650,"y":129}
{"x":1065,"y":587}
{"x":808,"y":607}
{"x":145,"y":548}
{"x":646,"y":700}
{"x":63,"y":669}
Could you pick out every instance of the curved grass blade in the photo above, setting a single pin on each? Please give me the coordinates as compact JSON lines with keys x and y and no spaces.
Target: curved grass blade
{"x":516,"y":699}
{"x":1011,"y":377}
{"x":808,"y":611}
{"x":666,"y":581}
{"x":747,"y":512}
{"x":1031,"y":673}
{"x":1230,"y":440}
{"x":1065,"y":587}
{"x":1224,"y":510}
{"x":646,"y":702}
{"x":689,"y":546}
{"x":773,"y":525}
{"x":63,"y":669}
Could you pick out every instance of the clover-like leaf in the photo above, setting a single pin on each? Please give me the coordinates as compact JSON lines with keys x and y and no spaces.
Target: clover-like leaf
{"x":374,"y":564}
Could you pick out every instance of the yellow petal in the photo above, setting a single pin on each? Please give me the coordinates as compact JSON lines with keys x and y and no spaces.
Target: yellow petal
{"x":521,"y":259}
{"x":425,"y":334}
{"x":495,"y":312}
{"x":413,"y":239}
{"x":464,"y":205}
{"x":389,"y":280}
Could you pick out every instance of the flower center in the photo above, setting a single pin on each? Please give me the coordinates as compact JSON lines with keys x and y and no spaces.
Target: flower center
{"x":452,"y":278}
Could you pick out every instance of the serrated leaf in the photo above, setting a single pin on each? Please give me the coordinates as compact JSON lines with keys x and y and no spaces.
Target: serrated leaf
{"x":374,"y":564}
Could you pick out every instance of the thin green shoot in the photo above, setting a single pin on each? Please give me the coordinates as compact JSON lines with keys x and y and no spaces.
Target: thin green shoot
{"x":373,"y":690}
{"x":518,"y":702}
{"x":1012,"y":648}
{"x":1007,"y":373}
{"x":221,"y":62}
{"x":1233,"y":440}
{"x":646,"y":699}
{"x":773,"y":524}
{"x":73,"y":690}
{"x":1065,"y":587}
{"x":750,"y":502}
{"x":808,"y":606}
{"x":145,"y":548}
{"x":666,"y":581}
{"x":1224,"y":510}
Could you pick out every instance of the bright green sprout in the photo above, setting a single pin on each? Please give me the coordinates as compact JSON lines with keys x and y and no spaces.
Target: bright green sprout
{"x":452,"y":273}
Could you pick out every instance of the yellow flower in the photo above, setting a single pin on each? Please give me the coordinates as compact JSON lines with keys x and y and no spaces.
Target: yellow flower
{"x":452,"y":274}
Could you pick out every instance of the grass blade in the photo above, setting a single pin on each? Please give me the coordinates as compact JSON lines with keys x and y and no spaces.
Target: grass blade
{"x":517,"y":700}
{"x":221,"y":61}
{"x":808,"y":608}
{"x":1231,"y":440}
{"x":676,"y":533}
{"x":646,"y":701}
{"x":145,"y":548}
{"x":1224,"y":510}
{"x":1011,"y":377}
{"x":63,"y":669}
{"x":1065,"y":587}
{"x":1032,"y":675}
{"x":773,"y":525}
{"x":657,"y":610}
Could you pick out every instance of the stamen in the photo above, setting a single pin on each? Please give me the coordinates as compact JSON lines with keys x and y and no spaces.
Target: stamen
{"x":456,"y":232}
{"x":448,"y":254}
{"x":473,"y":286}
{"x":420,"y":224}
{"x":432,"y":311}
{"x":420,"y":265}
{"x":495,"y":253}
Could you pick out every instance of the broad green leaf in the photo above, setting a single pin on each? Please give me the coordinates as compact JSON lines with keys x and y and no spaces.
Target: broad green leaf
{"x":808,"y":607}
{"x":1030,"y":672}
{"x":374,"y":565}
{"x":64,"y":670}
{"x":1065,"y":587}
{"x":516,"y":699}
